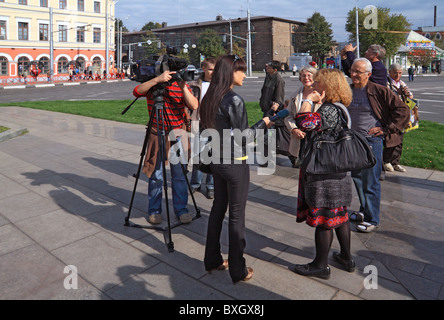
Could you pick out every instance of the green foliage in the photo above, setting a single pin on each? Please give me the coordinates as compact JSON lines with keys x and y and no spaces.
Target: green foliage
{"x":210,"y":44}
{"x":319,"y":37}
{"x":150,"y":26}
{"x":391,"y":30}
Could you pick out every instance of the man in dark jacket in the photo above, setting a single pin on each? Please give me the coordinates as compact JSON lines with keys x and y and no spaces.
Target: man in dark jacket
{"x":375,"y":54}
{"x":273,"y":90}
{"x":379,"y":115}
{"x":272,"y":101}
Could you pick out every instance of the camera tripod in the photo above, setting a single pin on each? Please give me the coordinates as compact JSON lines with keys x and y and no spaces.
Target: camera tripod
{"x":158,"y":112}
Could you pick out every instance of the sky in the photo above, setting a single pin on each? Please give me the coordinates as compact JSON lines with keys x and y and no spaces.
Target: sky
{"x":136,"y":13}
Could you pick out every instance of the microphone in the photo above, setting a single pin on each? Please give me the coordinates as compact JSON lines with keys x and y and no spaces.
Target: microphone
{"x":281,"y":114}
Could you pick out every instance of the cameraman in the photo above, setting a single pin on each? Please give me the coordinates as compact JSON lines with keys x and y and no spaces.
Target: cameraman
{"x":177,"y":96}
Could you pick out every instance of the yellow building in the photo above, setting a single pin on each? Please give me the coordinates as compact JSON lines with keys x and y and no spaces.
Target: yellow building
{"x":70,"y":33}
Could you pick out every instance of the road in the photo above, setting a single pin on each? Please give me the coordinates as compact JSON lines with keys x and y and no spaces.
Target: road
{"x":428,"y":89}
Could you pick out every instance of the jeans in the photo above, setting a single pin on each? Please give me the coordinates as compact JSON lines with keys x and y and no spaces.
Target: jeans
{"x":231,"y":183}
{"x":196,"y":178}
{"x":179,"y":188}
{"x":368,"y":185}
{"x":196,"y":175}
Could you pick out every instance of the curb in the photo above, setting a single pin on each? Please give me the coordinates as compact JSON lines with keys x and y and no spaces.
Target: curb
{"x":12,"y":133}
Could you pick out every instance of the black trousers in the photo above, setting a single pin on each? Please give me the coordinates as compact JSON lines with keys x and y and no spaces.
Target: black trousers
{"x":231,"y":182}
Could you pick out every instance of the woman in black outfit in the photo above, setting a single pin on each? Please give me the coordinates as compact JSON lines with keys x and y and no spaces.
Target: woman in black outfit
{"x":224,"y":110}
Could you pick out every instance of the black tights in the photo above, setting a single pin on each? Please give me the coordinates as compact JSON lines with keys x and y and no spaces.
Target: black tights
{"x":323,"y":240}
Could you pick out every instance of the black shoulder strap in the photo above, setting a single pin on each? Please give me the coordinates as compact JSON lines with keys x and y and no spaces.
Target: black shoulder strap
{"x":345,"y":116}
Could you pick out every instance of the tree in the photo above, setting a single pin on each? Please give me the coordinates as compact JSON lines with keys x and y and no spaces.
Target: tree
{"x":390,"y":30}
{"x":319,"y":37}
{"x":209,"y":44}
{"x":150,"y":26}
{"x":154,"y":47}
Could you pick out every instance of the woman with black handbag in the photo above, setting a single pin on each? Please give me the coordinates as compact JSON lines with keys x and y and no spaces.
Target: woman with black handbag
{"x":323,"y":198}
{"x":223,"y":111}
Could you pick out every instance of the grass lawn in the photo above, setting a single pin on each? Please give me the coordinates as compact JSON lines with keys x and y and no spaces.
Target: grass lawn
{"x":422,"y":148}
{"x":3,"y":129}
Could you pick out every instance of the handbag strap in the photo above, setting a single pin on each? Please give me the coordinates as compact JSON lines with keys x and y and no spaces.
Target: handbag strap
{"x":346,"y":121}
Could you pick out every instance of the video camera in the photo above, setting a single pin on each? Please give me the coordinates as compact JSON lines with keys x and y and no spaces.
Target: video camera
{"x":155,"y":65}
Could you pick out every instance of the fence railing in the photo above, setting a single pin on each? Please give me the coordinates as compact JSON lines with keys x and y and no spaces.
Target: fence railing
{"x":57,"y":79}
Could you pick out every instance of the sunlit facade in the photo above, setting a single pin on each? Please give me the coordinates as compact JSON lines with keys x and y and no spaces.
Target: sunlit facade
{"x":79,"y":36}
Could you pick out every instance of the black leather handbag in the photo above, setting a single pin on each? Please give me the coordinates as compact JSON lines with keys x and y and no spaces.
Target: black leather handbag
{"x":338,"y":152}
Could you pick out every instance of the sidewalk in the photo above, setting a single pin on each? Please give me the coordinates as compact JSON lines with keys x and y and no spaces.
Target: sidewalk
{"x":65,"y":188}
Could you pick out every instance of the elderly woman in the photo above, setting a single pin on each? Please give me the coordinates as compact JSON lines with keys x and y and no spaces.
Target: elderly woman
{"x":306,"y":75}
{"x":323,"y":199}
{"x":392,"y":155}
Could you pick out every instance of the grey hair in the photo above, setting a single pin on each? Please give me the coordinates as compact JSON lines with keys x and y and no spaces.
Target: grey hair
{"x":368,"y":65}
{"x":395,"y":67}
{"x":380,"y":50}
{"x":308,"y":68}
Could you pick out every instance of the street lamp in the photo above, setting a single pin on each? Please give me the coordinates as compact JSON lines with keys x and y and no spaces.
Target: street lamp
{"x":357,"y":29}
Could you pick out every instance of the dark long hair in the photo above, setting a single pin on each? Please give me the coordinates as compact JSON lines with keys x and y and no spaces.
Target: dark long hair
{"x":221,"y":81}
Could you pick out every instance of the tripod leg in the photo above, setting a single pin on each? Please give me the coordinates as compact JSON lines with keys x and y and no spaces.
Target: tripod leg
{"x":185,"y":171}
{"x":162,"y":150}
{"x":137,"y":174}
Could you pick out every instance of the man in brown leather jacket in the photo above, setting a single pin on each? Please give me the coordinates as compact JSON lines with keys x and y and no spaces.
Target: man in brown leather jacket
{"x":380,"y":116}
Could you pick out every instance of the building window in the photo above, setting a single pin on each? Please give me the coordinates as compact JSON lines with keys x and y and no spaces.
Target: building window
{"x":23,"y":31}
{"x":80,"y":34}
{"x":45,"y":64}
{"x":438,"y":36}
{"x":2,"y":30}
{"x":63,"y":33}
{"x":3,"y":66}
{"x":96,"y":6}
{"x":81,"y":5}
{"x":97,"y":62}
{"x":44,"y":3}
{"x":43,"y":32}
{"x":81,"y":63}
{"x":62,"y":65}
{"x":23,"y":63}
{"x":62,"y":4}
{"x":97,"y":35}
{"x":25,"y":2}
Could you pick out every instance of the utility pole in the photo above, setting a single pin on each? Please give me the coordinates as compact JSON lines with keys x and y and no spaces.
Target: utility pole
{"x":357,"y":29}
{"x":107,"y":38}
{"x":250,"y":68}
{"x":51,"y":44}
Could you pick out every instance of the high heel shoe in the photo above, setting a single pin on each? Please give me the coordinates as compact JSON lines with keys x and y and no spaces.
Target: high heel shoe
{"x":249,"y":274}
{"x":223,"y":266}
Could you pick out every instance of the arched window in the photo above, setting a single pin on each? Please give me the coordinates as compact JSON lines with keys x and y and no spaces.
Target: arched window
{"x":3,"y":66}
{"x":23,"y":62}
{"x":438,"y":36}
{"x":62,"y":65}
{"x":45,"y":64}
{"x":81,"y":61}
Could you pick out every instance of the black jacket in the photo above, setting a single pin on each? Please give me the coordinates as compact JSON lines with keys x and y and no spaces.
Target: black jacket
{"x":232,"y":127}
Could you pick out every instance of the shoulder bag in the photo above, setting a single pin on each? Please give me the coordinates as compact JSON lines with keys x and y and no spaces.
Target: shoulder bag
{"x":338,"y":151}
